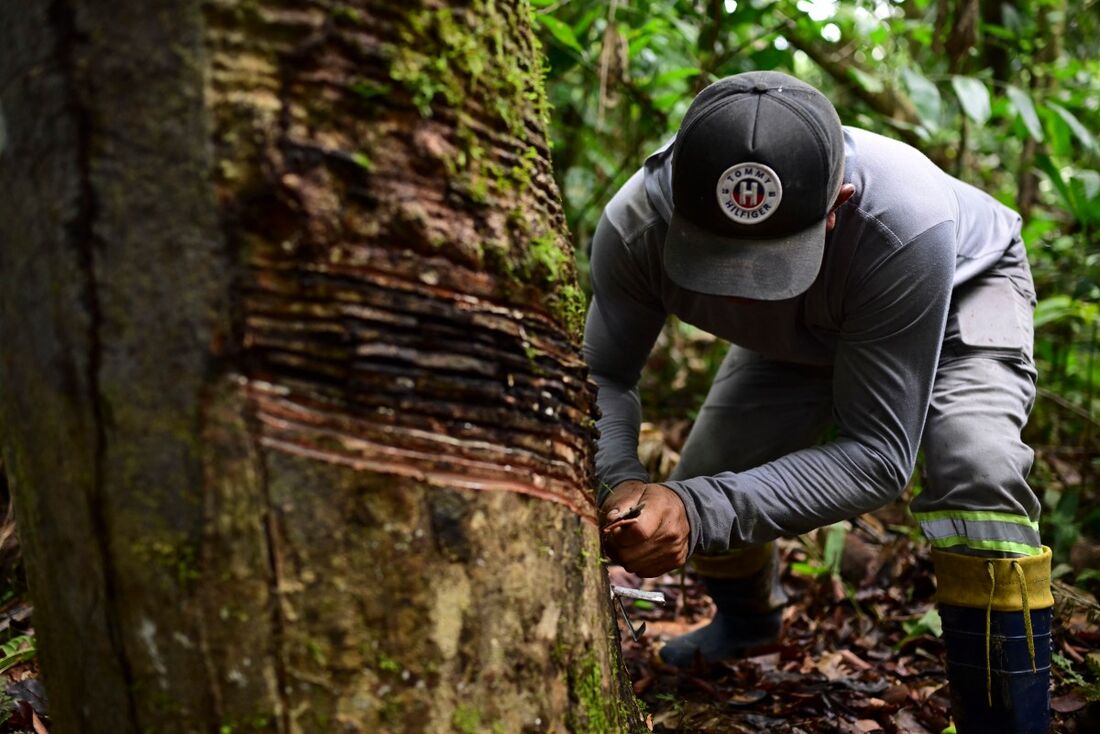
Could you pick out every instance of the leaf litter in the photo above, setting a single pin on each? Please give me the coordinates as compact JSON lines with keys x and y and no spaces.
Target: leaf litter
{"x":860,"y":650}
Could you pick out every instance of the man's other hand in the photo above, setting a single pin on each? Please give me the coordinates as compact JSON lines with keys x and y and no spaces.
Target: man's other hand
{"x":654,"y":542}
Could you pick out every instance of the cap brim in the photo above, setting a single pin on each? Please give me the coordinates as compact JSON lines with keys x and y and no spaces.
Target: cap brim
{"x":763,"y":269}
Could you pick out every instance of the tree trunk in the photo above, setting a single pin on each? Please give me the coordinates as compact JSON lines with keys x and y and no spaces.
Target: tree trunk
{"x":292,"y":405}
{"x":1051,"y":22}
{"x":994,"y":49}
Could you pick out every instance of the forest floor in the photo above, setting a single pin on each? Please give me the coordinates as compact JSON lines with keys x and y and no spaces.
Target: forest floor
{"x":860,"y":651}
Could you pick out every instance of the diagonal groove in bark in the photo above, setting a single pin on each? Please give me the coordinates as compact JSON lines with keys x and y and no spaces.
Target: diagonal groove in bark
{"x":277,"y":92}
{"x":429,"y":447}
{"x":349,"y":307}
{"x":357,"y":341}
{"x":274,"y":557}
{"x":82,"y":235}
{"x":453,"y":294}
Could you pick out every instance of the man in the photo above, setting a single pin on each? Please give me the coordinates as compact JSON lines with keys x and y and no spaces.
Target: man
{"x":860,"y":286}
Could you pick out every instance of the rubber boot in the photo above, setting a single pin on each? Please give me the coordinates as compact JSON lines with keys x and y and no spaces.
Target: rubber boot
{"x":746,"y":590}
{"x":998,"y":664}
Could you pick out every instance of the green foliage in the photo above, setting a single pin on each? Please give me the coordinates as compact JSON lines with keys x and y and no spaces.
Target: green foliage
{"x":388,"y":664}
{"x":973,"y":98}
{"x":827,"y":563}
{"x":362,"y":160}
{"x":443,"y":56}
{"x":1066,"y":670}
{"x":928,"y":624}
{"x":926,"y":97}
{"x":15,"y":651}
{"x":467,"y":719}
{"x":1026,"y":110}
{"x":586,"y":684}
{"x":562,"y":32}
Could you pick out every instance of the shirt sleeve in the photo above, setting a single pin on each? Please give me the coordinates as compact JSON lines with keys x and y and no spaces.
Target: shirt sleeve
{"x":885,"y":365}
{"x":623,"y":322}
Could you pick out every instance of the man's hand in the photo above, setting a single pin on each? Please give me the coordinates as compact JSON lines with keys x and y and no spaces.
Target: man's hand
{"x":656,"y":540}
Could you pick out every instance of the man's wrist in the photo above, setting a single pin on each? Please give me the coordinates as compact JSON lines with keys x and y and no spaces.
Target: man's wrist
{"x":605,"y":489}
{"x":691,"y":512}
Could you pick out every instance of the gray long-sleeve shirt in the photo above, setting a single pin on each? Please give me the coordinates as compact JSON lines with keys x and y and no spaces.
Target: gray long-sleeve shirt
{"x":876,"y":313}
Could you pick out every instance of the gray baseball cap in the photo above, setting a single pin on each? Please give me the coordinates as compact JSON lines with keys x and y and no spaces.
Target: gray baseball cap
{"x":756,"y":167}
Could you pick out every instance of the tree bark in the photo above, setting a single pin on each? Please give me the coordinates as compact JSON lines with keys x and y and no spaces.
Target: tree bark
{"x":994,"y":49}
{"x":291,"y":399}
{"x":962,"y":36}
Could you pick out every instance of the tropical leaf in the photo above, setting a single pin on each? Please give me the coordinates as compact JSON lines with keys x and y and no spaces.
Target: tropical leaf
{"x":562,"y":32}
{"x":973,"y":97}
{"x":926,"y":97}
{"x":16,"y":650}
{"x":675,"y":75}
{"x":1074,"y":124}
{"x":870,"y":82}
{"x":1025,"y":108}
{"x":1061,"y":307}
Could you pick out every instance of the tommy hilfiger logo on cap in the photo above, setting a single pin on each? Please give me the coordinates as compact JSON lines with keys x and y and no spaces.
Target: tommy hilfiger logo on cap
{"x":749,"y":193}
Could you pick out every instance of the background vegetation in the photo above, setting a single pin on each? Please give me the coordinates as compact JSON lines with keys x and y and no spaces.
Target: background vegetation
{"x":1004,"y":95}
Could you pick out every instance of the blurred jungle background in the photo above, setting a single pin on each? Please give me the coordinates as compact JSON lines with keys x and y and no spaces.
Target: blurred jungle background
{"x":1004,"y":95}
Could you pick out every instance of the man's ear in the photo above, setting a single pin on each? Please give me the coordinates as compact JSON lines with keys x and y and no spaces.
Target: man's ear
{"x":846,"y":192}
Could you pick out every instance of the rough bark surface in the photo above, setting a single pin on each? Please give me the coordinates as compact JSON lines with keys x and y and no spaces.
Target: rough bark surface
{"x":291,"y":399}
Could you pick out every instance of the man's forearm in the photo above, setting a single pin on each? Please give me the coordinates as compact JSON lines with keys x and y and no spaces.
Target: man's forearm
{"x":617,"y":454}
{"x":789,"y":496}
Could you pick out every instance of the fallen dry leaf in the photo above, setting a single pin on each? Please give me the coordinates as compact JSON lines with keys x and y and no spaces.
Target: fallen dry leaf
{"x":907,"y":723}
{"x":830,"y":666}
{"x":852,"y":659}
{"x":1070,"y":702}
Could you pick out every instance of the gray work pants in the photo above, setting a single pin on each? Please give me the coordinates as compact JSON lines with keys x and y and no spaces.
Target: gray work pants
{"x":976,"y":498}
